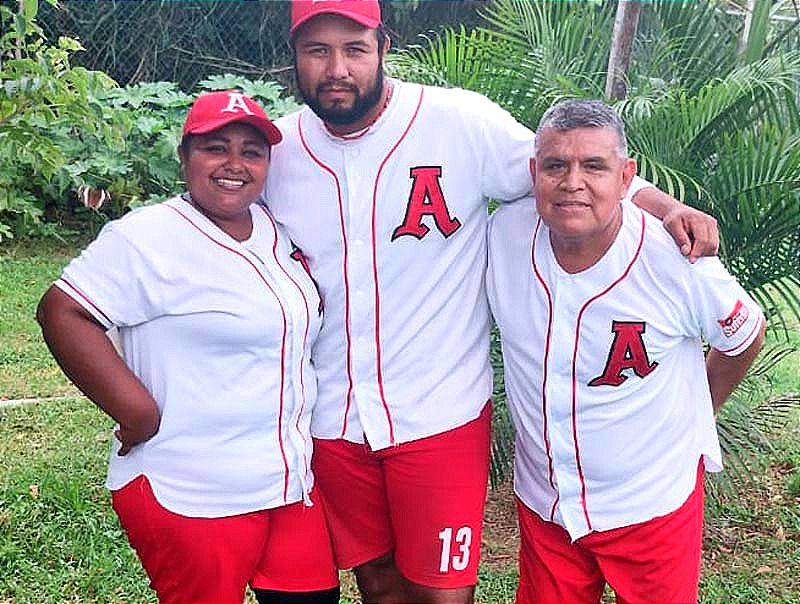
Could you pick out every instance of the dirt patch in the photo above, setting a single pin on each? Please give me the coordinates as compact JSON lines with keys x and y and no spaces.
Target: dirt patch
{"x":500,"y":543}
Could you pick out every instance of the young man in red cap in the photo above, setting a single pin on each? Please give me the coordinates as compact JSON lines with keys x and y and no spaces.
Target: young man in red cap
{"x":383,"y":184}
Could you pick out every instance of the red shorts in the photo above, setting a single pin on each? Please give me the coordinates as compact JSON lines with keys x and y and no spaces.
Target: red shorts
{"x":422,"y":500}
{"x":653,"y":561}
{"x":197,"y":560}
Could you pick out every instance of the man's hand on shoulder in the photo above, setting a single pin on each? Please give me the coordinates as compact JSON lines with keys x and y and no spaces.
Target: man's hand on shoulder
{"x":695,"y":232}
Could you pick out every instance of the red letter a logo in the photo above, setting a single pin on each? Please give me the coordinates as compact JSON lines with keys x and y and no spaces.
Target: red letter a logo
{"x":426,"y":198}
{"x":627,"y":352}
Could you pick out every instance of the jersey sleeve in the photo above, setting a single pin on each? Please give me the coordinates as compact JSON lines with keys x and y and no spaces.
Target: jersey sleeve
{"x":507,"y":149}
{"x":112,"y":280}
{"x":728,"y":317}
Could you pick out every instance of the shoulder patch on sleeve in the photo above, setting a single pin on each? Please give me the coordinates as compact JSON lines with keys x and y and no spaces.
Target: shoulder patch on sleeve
{"x":738,"y":317}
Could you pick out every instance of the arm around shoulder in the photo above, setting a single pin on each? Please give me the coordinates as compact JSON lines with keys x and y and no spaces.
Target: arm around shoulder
{"x":695,"y":232}
{"x":88,"y":358}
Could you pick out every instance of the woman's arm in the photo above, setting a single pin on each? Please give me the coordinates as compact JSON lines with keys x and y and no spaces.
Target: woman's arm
{"x":88,"y":358}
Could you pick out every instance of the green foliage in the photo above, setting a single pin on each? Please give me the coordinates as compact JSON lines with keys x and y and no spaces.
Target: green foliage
{"x":794,"y":484}
{"x":63,"y":127}
{"x":502,"y":429}
{"x":26,"y":366}
{"x":759,"y":29}
{"x":43,"y":104}
{"x":496,"y":587}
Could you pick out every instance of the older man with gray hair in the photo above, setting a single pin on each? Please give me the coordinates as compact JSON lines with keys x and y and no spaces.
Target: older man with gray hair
{"x":602,"y":322}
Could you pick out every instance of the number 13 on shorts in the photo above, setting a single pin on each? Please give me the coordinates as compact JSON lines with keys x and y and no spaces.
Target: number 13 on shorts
{"x":455,"y":551}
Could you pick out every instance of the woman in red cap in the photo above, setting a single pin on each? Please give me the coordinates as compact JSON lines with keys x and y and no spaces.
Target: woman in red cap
{"x":213,"y":388}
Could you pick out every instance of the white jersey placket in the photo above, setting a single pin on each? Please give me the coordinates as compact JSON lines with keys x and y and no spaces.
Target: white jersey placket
{"x":562,"y":415}
{"x":297,"y":315}
{"x":360,"y":184}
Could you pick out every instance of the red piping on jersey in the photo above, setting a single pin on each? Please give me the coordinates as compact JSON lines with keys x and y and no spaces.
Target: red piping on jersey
{"x":348,"y":364}
{"x":574,"y":376}
{"x":375,"y":265}
{"x":749,"y":335}
{"x":283,"y":340}
{"x":545,"y":434}
{"x":86,"y":298}
{"x":305,"y":332}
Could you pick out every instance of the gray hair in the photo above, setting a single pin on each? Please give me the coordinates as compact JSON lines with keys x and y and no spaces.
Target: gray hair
{"x":580,"y":113}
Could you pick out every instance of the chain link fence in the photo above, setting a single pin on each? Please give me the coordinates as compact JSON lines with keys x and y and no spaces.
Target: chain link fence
{"x":186,"y":41}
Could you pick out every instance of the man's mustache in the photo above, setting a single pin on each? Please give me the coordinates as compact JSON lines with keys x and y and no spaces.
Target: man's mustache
{"x":339,"y":87}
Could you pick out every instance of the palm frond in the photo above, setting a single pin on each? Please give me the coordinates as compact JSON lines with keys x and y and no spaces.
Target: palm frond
{"x":787,"y":295}
{"x":747,"y":96}
{"x":756,"y":192}
{"x":502,"y":451}
{"x":456,"y":58}
{"x":686,"y":43}
{"x":680,"y":185}
{"x":536,"y":54}
{"x":744,"y":431}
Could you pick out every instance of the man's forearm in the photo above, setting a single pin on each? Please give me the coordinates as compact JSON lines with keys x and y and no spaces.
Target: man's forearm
{"x":655,"y":202}
{"x":695,"y":233}
{"x":725,"y":372}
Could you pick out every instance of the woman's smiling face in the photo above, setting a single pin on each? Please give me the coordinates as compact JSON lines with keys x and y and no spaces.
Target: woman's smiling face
{"x":225,"y":170}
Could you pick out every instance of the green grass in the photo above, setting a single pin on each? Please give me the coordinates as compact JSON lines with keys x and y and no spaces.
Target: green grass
{"x":496,"y":587}
{"x":26,"y":367}
{"x":785,"y":376}
{"x":752,"y":540}
{"x":60,"y":541}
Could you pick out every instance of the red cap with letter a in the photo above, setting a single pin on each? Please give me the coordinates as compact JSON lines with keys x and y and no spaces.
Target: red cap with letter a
{"x":214,"y":110}
{"x":363,"y":12}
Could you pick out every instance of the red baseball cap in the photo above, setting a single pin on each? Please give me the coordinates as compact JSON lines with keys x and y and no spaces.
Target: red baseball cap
{"x":364,"y":12}
{"x":214,"y":110}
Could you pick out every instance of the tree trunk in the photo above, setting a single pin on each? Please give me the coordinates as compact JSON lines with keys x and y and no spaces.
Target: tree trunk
{"x":748,"y":22}
{"x":18,"y":49}
{"x":754,"y":34}
{"x":619,"y":59}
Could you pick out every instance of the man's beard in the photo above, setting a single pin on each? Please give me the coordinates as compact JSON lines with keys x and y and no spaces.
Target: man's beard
{"x":343,"y":116}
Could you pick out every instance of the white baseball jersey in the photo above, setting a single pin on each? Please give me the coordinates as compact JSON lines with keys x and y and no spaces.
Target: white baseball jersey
{"x":604,"y":369}
{"x":394,"y":227}
{"x":219,"y":331}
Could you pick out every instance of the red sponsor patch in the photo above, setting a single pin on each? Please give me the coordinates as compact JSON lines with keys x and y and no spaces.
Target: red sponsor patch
{"x":738,"y":317}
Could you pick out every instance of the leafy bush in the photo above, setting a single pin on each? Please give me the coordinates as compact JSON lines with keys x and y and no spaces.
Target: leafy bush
{"x":43,"y":104}
{"x":65,"y":127}
{"x":151,"y":116}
